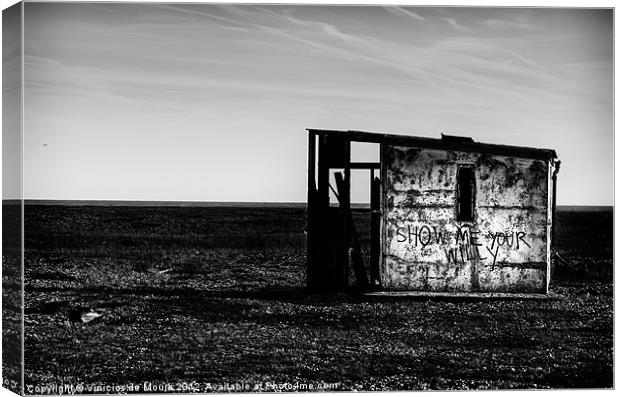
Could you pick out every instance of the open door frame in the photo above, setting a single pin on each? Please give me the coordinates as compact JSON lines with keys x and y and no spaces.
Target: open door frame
{"x":332,"y":245}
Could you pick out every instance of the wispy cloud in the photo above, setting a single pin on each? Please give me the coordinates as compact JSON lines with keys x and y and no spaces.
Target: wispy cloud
{"x":528,"y":61}
{"x":454,"y":23}
{"x":505,"y":24}
{"x":194,"y":12}
{"x":317,"y":27}
{"x":400,"y":11}
{"x":317,"y":34}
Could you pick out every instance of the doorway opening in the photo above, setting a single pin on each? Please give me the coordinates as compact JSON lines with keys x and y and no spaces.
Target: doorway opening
{"x":344,"y":216}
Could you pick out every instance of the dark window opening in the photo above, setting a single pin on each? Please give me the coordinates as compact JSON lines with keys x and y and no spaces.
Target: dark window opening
{"x":465,"y":194}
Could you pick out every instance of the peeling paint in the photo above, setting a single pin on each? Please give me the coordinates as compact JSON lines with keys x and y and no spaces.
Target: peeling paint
{"x":505,"y":247}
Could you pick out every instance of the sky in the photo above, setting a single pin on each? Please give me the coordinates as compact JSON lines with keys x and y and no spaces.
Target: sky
{"x":210,"y":102}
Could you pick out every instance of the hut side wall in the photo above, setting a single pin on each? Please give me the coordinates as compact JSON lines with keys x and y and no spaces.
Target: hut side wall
{"x":505,"y":247}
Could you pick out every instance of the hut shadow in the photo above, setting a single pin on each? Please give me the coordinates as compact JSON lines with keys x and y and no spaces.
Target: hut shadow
{"x":302,"y":295}
{"x":295,"y":295}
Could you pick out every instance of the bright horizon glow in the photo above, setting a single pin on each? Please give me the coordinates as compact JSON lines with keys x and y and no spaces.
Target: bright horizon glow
{"x":191,"y":102}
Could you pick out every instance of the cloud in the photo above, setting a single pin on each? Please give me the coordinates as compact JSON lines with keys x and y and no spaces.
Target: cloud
{"x":321,"y":27}
{"x":404,"y":12}
{"x":453,"y":66}
{"x":188,"y":11}
{"x":504,"y":24}
{"x":453,"y":23}
{"x":528,"y":61}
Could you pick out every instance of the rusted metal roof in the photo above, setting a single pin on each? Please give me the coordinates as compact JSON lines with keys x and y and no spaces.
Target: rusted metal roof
{"x":447,"y":142}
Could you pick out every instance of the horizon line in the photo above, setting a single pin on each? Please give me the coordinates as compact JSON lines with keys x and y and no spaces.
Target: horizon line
{"x":206,"y":203}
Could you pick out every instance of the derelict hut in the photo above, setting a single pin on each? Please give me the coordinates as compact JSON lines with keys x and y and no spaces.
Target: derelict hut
{"x":447,"y":214}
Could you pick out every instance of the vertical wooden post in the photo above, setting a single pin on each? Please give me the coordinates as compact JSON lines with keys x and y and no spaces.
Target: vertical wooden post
{"x":321,"y":215}
{"x":347,"y":174}
{"x":382,"y":205}
{"x":311,"y":165}
{"x":554,"y":220}
{"x":323,"y":173}
{"x":311,"y":262}
{"x":345,"y":204}
{"x":554,"y":178}
{"x":375,"y":229}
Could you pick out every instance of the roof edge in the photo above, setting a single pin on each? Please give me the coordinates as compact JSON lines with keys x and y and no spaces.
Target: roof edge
{"x":463,"y":144}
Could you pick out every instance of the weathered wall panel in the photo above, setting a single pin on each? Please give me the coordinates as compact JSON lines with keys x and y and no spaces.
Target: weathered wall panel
{"x":505,"y":248}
